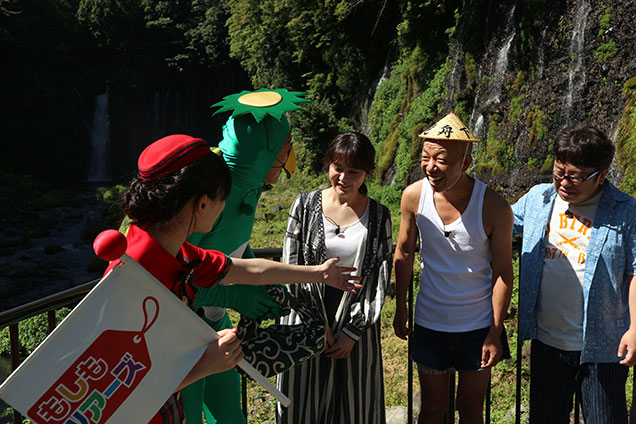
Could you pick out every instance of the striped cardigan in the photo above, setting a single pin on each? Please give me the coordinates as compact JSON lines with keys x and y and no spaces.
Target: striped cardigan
{"x":351,"y":390}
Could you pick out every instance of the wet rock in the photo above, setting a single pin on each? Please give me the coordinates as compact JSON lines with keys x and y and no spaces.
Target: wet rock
{"x":19,"y":269}
{"x":397,"y":415}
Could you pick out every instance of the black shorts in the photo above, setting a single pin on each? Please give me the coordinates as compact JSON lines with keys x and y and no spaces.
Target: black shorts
{"x":441,"y":351}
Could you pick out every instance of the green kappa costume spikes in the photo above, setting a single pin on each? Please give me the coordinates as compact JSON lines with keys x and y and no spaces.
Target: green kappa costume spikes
{"x":252,"y":139}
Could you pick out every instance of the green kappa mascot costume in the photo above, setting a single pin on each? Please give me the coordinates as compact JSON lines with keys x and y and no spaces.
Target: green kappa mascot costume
{"x":252,"y":139}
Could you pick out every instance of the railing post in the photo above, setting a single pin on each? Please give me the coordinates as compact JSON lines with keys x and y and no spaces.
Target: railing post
{"x":244,"y":395}
{"x":51,"y":320}
{"x":409,"y":374}
{"x":449,"y":417}
{"x":519,"y":347}
{"x":488,"y":399}
{"x":15,"y":361}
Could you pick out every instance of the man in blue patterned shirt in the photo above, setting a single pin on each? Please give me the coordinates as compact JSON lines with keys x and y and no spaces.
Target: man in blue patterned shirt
{"x":577,"y":303}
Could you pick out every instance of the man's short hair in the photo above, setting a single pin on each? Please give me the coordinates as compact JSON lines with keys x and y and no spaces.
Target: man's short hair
{"x":584,"y":147}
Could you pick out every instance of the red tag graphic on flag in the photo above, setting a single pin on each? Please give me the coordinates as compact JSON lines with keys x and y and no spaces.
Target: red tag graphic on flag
{"x":100,"y":380}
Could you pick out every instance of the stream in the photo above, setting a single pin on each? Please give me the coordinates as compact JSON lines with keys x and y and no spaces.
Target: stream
{"x":44,"y":252}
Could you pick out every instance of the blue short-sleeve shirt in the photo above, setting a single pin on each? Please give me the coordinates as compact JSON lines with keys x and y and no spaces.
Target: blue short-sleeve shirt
{"x":610,"y":264}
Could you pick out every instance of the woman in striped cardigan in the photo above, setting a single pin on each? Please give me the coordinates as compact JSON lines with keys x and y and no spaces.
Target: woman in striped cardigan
{"x":345,"y":382}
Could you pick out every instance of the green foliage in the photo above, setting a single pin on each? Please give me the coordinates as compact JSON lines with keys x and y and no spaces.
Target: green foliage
{"x":180,"y":34}
{"x":519,"y":84}
{"x":300,"y":44}
{"x":31,"y":333}
{"x":391,"y":105}
{"x":626,"y":139}
{"x":547,"y":163}
{"x":533,"y":163}
{"x":515,"y":107}
{"x":471,"y":69}
{"x":630,"y":83}
{"x":396,"y":120}
{"x":605,"y":51}
{"x":501,"y":152}
{"x":24,"y":192}
{"x":313,"y":128}
{"x":423,"y":112}
{"x":535,"y":121}
{"x":605,"y":19}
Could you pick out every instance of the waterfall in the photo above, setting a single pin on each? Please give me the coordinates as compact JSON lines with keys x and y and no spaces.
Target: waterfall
{"x":493,"y":91}
{"x":365,"y":127}
{"x":541,"y":56}
{"x":501,"y":64}
{"x":576,"y":71}
{"x":478,"y":126}
{"x":454,"y":76}
{"x":99,"y":163}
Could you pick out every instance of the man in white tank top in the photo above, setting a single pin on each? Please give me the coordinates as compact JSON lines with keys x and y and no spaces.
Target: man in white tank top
{"x":465,"y":235}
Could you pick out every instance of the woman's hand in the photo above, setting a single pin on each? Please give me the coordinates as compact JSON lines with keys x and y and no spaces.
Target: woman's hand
{"x":224,"y":353}
{"x":338,"y":276}
{"x":341,"y":346}
{"x":221,"y":355}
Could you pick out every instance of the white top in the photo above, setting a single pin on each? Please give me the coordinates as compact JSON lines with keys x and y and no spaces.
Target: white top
{"x":560,"y":301}
{"x":347,"y":243}
{"x":456,"y":286}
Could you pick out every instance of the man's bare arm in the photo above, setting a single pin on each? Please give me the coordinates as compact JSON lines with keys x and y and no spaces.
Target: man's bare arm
{"x":404,"y":256}
{"x":499,"y":219}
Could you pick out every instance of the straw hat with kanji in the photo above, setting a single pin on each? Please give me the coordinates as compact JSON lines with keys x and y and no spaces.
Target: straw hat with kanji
{"x":449,"y":127}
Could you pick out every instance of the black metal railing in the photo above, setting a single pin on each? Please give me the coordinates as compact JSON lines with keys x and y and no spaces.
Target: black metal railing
{"x":50,"y":304}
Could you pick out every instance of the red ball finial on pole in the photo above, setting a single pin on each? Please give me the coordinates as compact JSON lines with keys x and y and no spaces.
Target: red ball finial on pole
{"x":110,"y":245}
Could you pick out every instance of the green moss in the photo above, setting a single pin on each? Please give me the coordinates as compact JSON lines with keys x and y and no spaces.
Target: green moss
{"x":626,"y":141}
{"x":515,"y":107}
{"x":630,"y":83}
{"x":519,"y":84}
{"x":605,"y":19}
{"x":605,"y":51}
{"x":399,"y":112}
{"x":460,"y":110}
{"x":533,"y":163}
{"x":470,"y":68}
{"x":547,"y":163}
{"x":494,"y":154}
{"x":536,"y":124}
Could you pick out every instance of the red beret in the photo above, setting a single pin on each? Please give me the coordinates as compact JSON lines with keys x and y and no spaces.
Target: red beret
{"x":169,"y":154}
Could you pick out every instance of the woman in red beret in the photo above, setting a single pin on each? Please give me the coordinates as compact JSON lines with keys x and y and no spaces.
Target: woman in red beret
{"x":181,"y":189}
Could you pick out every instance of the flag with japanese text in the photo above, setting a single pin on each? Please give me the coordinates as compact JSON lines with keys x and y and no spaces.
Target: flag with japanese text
{"x":116,"y":358}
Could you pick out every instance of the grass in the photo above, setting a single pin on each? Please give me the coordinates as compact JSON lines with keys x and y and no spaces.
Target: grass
{"x":269,"y":231}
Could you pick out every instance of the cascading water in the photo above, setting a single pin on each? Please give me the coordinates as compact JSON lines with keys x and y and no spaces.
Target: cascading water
{"x":99,"y":163}
{"x":576,"y":72}
{"x":493,"y":91}
{"x":453,"y":81}
{"x":501,"y":64}
{"x":365,"y":127}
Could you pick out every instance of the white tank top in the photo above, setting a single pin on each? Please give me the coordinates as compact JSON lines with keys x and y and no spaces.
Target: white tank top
{"x":456,"y":285}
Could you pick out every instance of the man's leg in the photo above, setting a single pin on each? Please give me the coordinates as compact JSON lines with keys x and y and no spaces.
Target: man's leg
{"x":603,"y":393}
{"x":432,"y":351}
{"x":434,"y":386}
{"x":471,"y":392}
{"x":552,"y":383}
